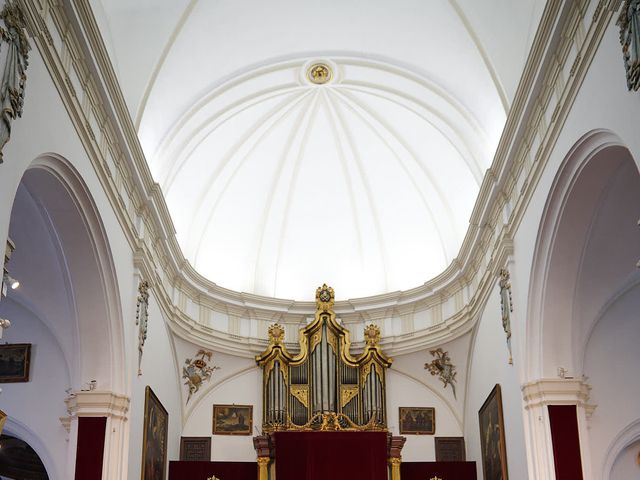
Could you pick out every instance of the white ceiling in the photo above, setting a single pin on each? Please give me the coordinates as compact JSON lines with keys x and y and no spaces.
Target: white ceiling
{"x":276,"y":184}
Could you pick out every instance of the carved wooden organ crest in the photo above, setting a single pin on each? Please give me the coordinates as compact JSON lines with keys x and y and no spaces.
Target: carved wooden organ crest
{"x":323,"y":386}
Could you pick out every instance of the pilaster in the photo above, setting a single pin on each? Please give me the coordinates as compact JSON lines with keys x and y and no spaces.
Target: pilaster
{"x":537,"y":396}
{"x":113,"y":406}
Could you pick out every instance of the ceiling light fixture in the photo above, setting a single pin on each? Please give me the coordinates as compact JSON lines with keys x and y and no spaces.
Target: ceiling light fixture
{"x":11,"y":282}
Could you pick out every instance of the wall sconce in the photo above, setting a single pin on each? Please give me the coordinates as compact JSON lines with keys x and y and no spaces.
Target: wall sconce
{"x":11,"y":282}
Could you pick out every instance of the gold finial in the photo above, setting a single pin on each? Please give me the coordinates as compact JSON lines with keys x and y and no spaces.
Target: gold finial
{"x":435,"y":478}
{"x":319,"y":73}
{"x":372,"y":334}
{"x":325,"y":298}
{"x":276,"y":334}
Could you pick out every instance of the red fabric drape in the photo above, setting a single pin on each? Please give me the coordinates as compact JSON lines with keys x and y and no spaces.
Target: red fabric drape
{"x":90,"y":449}
{"x":425,"y":470}
{"x":331,"y":455}
{"x":203,"y":470}
{"x":566,"y":442}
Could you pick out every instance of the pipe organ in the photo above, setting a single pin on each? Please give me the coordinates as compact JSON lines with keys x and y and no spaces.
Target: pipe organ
{"x":323,"y":386}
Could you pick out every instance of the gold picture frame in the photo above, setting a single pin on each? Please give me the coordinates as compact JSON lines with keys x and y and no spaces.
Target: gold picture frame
{"x":232,"y":419}
{"x":155,"y":438}
{"x":417,"y":420}
{"x":492,"y":439}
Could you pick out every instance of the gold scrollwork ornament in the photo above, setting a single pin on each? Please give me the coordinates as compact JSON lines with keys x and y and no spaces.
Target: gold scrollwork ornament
{"x":301,"y":392}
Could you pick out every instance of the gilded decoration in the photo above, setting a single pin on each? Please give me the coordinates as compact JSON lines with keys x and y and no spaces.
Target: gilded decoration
{"x":197,"y":371}
{"x":142,"y":319}
{"x":319,"y":73}
{"x":14,"y":52}
{"x":629,"y":23}
{"x":320,"y":387}
{"x":276,"y":334}
{"x":301,"y":392}
{"x":443,"y":367}
{"x":506,"y":305}
{"x":347,"y":393}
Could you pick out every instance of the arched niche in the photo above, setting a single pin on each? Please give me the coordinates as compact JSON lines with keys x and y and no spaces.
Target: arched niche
{"x":66,"y":270}
{"x":586,"y":251}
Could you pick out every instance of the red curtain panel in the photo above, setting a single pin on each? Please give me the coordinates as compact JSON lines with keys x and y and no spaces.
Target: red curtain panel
{"x":90,"y":450}
{"x":566,"y":442}
{"x":331,"y":455}
{"x":203,"y":470}
{"x":446,"y":470}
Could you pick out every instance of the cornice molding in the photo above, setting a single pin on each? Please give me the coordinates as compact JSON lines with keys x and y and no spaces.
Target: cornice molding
{"x":96,"y":403}
{"x":68,"y":39}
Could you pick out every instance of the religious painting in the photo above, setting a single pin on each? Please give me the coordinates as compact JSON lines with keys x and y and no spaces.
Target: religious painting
{"x":232,"y":419}
{"x":154,"y":443}
{"x":14,"y":362}
{"x":494,"y":450}
{"x":417,"y":420}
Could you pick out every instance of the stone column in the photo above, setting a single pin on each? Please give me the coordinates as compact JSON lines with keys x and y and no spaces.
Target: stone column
{"x":537,"y":396}
{"x":394,"y":449}
{"x":115,"y":408}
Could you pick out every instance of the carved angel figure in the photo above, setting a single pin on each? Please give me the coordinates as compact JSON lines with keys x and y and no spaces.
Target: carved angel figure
{"x":14,"y":52}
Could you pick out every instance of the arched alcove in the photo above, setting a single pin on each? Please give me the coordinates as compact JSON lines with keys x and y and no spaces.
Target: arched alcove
{"x":63,"y":259}
{"x":584,"y":288}
{"x":19,"y":460}
{"x":67,"y":305}
{"x":585,"y":253}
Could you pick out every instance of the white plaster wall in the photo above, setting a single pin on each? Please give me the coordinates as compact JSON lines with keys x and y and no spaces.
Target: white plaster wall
{"x":611,"y":363}
{"x":407,"y":391}
{"x":37,"y":405}
{"x":627,"y":466}
{"x":237,"y":381}
{"x":489,"y":366}
{"x":159,"y":371}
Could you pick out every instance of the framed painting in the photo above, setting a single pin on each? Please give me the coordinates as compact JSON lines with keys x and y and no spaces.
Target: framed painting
{"x":154,"y":442}
{"x":450,"y":449}
{"x":14,"y":362}
{"x":417,"y":420}
{"x":195,"y":449}
{"x":232,"y":419}
{"x":494,"y":449}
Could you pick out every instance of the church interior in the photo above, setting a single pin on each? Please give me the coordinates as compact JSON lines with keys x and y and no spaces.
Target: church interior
{"x":294,"y":240}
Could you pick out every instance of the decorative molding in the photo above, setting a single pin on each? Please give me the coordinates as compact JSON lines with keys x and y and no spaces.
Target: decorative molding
{"x":97,"y":403}
{"x":114,"y":150}
{"x":557,"y":391}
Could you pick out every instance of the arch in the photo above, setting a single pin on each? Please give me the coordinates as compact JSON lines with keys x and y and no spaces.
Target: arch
{"x":53,"y":189}
{"x":558,"y":283}
{"x":20,"y":430}
{"x":625,"y":438}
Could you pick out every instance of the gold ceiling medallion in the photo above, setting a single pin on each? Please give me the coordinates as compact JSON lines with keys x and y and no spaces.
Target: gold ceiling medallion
{"x":319,"y":73}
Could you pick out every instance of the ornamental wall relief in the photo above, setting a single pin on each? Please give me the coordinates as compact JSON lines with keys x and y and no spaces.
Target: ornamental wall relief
{"x":443,"y":367}
{"x":14,"y":58}
{"x":197,"y":371}
{"x":629,"y":23}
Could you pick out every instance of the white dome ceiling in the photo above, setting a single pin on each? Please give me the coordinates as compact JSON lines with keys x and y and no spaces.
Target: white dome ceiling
{"x":276,"y":184}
